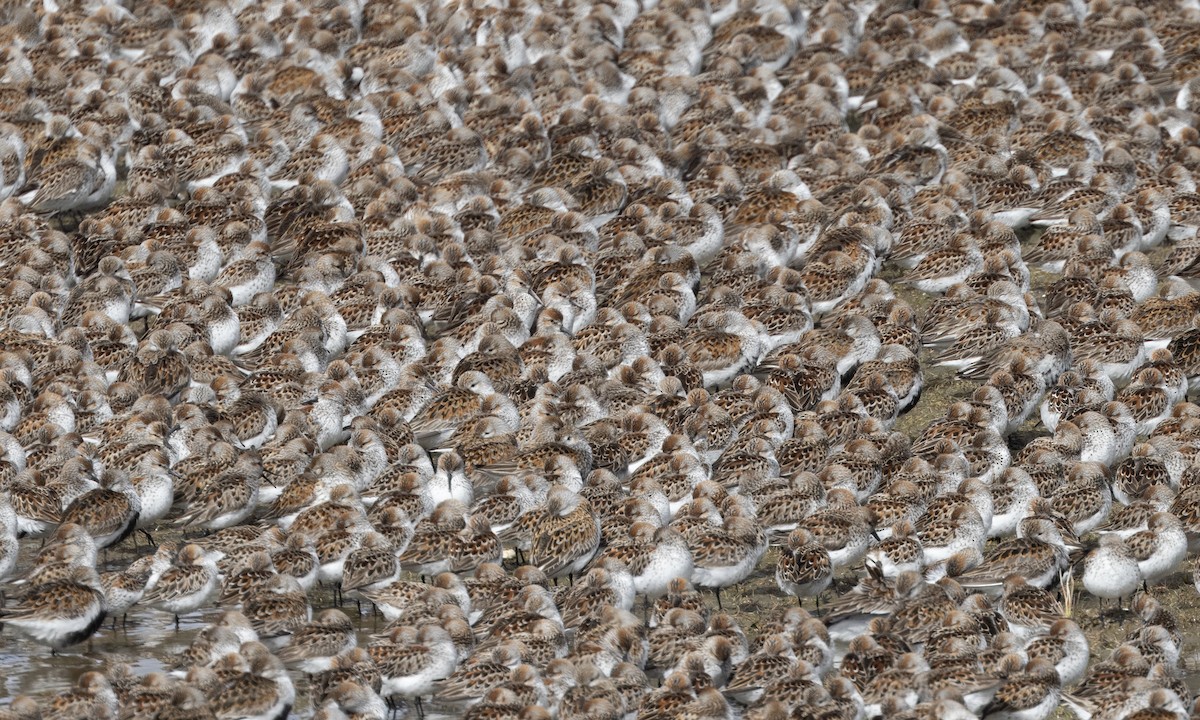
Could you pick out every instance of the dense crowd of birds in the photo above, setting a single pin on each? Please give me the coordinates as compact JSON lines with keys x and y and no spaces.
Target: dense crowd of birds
{"x":533,"y":326}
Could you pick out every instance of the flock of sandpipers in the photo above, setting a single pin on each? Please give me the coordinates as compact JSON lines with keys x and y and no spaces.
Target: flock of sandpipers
{"x":526,"y":328}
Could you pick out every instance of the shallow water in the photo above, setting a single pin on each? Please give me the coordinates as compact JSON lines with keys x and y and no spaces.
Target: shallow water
{"x":145,"y":644}
{"x":147,"y":641}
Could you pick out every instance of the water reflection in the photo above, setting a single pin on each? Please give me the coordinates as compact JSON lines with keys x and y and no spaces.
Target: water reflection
{"x":147,"y":642}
